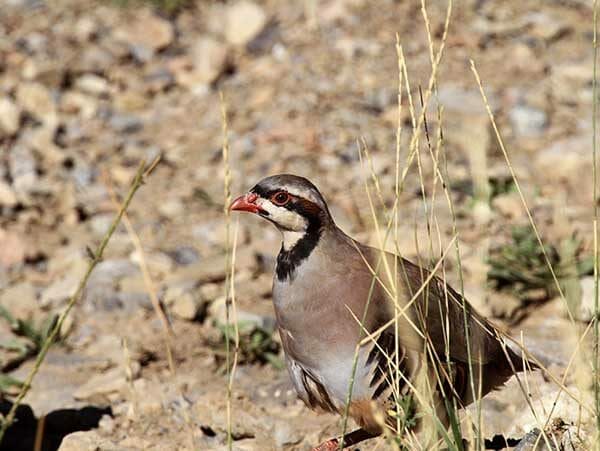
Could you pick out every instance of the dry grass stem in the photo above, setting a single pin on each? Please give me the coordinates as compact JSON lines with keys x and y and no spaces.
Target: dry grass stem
{"x":137,"y":182}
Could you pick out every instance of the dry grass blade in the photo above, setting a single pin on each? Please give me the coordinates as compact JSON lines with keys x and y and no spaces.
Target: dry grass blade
{"x":229,"y":280}
{"x":517,"y":184}
{"x":137,"y":182}
{"x":148,"y":283}
{"x":596,"y":358}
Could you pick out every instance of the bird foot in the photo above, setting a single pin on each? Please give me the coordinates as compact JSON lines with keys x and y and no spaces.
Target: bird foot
{"x":329,"y":445}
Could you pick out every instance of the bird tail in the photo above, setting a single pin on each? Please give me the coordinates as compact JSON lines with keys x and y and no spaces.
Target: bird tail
{"x":519,"y":361}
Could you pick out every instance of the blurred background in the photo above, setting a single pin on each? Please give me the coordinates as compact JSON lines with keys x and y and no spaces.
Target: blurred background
{"x":89,"y":88}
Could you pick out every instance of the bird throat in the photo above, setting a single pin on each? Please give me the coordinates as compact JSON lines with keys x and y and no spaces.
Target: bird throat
{"x":295,"y":249}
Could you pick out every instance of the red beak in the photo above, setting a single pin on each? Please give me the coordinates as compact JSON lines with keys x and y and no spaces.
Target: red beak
{"x":246,"y":202}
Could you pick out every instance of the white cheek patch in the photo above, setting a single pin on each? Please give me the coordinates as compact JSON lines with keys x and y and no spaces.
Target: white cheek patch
{"x":291,"y":238}
{"x":286,"y":219}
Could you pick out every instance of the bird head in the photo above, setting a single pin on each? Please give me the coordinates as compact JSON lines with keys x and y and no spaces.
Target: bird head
{"x":293,"y":204}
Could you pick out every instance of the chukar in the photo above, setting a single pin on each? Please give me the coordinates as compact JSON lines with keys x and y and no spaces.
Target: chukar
{"x":326,"y":284}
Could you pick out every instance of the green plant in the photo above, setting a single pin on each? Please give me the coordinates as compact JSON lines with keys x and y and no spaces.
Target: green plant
{"x":256,"y":344}
{"x":35,"y":334}
{"x":520,"y":268}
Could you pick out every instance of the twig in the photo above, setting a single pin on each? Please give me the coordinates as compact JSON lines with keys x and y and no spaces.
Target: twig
{"x":137,"y":182}
{"x":148,"y":283}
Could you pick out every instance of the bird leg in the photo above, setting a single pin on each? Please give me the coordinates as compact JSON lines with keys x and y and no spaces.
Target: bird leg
{"x":350,"y":439}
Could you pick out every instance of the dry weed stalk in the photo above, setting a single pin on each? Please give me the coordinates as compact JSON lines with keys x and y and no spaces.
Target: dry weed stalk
{"x":230,"y":303}
{"x":140,"y":176}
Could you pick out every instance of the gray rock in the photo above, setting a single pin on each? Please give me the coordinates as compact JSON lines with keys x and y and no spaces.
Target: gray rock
{"x":94,"y":59}
{"x":466,"y":101}
{"x":247,"y":320}
{"x":529,"y":440}
{"x":112,"y":270}
{"x":285,"y":435}
{"x":125,"y":123}
{"x":23,"y":171}
{"x":528,"y":121}
{"x":185,"y":255}
{"x":59,"y":291}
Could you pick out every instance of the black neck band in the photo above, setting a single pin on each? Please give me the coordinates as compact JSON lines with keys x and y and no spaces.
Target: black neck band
{"x":288,"y":261}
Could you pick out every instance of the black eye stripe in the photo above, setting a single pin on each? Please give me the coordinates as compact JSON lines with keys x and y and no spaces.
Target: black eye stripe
{"x":304,"y":207}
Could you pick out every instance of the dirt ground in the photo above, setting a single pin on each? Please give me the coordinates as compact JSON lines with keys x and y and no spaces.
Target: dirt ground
{"x":90,"y":88}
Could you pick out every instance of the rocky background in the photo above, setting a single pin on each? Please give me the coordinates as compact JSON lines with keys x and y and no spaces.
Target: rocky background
{"x":90,"y":88}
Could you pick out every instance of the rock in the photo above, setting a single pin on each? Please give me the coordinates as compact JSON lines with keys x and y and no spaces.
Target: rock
{"x":93,"y":84}
{"x":146,"y":34}
{"x":172,"y":208}
{"x":284,"y":435}
{"x":10,"y":118}
{"x":125,"y":123}
{"x":545,"y":26}
{"x":110,"y":271}
{"x":59,"y":291}
{"x":462,"y":100}
{"x":99,"y":224}
{"x":20,"y":300}
{"x":36,"y":100}
{"x":133,"y":284}
{"x":529,"y":440}
{"x":107,"y":424}
{"x":185,"y":301}
{"x":571,"y":81}
{"x":12,"y":249}
{"x":586,"y":308}
{"x":564,"y":410}
{"x":503,"y":304}
{"x":159,"y":80}
{"x":566,"y":159}
{"x":8,"y":198}
{"x":244,"y":21}
{"x":150,"y":395}
{"x":111,"y":381}
{"x":157,"y":262}
{"x":94,"y":59}
{"x":184,"y":255}
{"x":508,"y":205}
{"x":85,"y":29}
{"x":249,"y":320}
{"x":48,"y":72}
{"x":88,"y":441}
{"x":528,"y":121}
{"x":206,"y":270}
{"x":74,"y":102}
{"x":209,"y":61}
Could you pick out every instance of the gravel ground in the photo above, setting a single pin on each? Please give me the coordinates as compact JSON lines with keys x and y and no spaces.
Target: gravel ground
{"x":89,"y":88}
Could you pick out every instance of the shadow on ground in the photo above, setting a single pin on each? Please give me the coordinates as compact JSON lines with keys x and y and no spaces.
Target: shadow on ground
{"x":57,"y":424}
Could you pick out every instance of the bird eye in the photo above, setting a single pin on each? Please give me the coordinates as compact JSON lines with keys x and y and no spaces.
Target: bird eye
{"x":280,"y":198}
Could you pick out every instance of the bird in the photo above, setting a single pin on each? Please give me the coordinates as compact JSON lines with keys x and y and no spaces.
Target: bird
{"x":360,"y":327}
